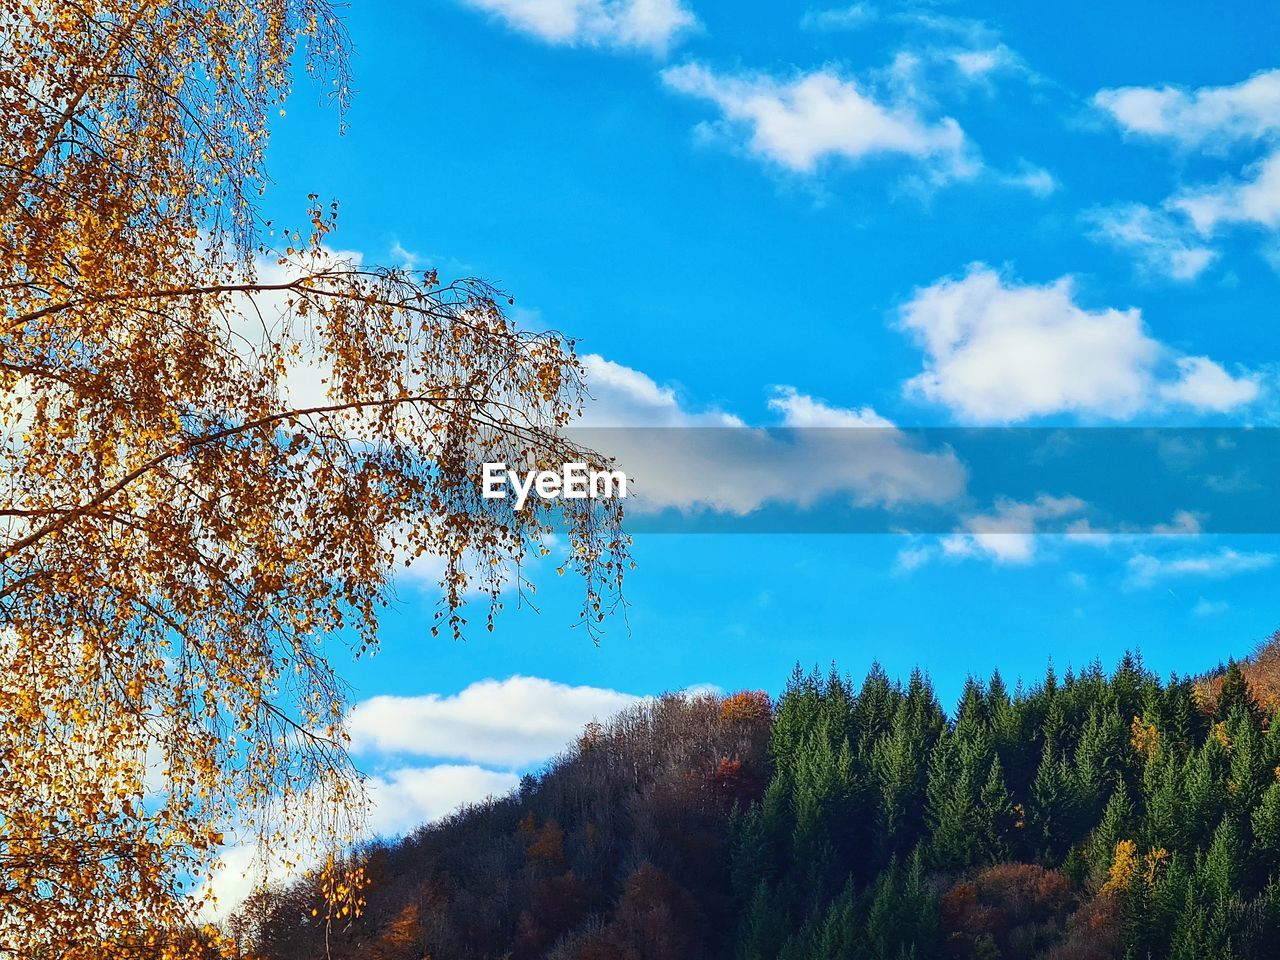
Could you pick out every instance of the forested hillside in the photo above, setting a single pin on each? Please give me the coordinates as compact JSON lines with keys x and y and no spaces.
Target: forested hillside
{"x":1089,"y":816}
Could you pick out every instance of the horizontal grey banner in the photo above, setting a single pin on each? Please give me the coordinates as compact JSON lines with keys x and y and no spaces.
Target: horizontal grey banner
{"x":1074,"y":481}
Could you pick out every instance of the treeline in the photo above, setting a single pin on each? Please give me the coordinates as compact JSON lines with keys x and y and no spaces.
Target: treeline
{"x":1090,"y":817}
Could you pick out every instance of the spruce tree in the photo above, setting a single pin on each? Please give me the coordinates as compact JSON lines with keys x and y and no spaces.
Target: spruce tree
{"x":1204,"y":791}
{"x":1235,"y":692}
{"x":1117,"y":824}
{"x":1266,"y":825}
{"x":1056,"y":805}
{"x":1221,"y":869}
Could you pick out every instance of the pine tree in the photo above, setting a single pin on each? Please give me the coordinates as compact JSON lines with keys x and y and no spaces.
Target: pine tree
{"x":995,"y":809}
{"x":763,"y":929}
{"x":897,"y":763}
{"x":1164,"y":825}
{"x":1117,"y":824}
{"x":1056,"y":806}
{"x":1223,"y":864}
{"x":840,"y":935}
{"x":1248,"y":773}
{"x":1266,"y":824}
{"x":1203,"y":788}
{"x":1128,"y":685}
{"x":1100,"y":759}
{"x":875,"y":707}
{"x":1235,"y":692}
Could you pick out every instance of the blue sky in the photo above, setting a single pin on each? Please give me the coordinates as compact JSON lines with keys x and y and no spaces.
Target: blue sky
{"x":926,"y":215}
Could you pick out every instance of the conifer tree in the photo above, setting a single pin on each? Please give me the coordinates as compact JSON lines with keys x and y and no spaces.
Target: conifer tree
{"x":1164,"y":824}
{"x":898,"y":765}
{"x":1266,"y":823}
{"x":1117,"y":824}
{"x":1203,"y":789}
{"x":1221,"y":869}
{"x":1100,"y":758}
{"x":1248,"y":773}
{"x":875,"y":706}
{"x":995,"y":808}
{"x":1056,"y":804}
{"x":1235,"y":692}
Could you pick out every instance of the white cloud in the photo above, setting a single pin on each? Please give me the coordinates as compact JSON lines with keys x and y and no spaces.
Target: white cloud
{"x":1209,"y":608}
{"x":912,"y":558}
{"x":407,"y":797}
{"x":1212,"y":120}
{"x":512,"y":722}
{"x":638,"y":24}
{"x":1161,"y":244}
{"x":800,"y":122}
{"x":979,"y":64}
{"x":407,"y":259}
{"x":399,"y":801}
{"x":840,"y":18}
{"x":1207,"y":116}
{"x":1008,"y":533}
{"x":800,"y":410}
{"x":1204,"y":385}
{"x":997,"y":351}
{"x":1037,"y":181}
{"x":1254,"y":200}
{"x":624,"y":397}
{"x":1144,"y":569}
{"x":738,"y":470}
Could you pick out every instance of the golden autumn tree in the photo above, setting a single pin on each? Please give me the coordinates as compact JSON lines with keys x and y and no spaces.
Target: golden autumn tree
{"x":219,"y":440}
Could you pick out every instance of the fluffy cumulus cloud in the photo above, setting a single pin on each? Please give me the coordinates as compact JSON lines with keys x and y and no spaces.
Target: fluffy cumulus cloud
{"x":998,"y":351}
{"x":1204,"y":385}
{"x":799,"y":122}
{"x":1144,"y":569}
{"x":1162,"y":243}
{"x":407,"y":797}
{"x":483,"y":736}
{"x":640,"y":24}
{"x":624,"y":397}
{"x":1205,"y":117}
{"x":510,"y":723}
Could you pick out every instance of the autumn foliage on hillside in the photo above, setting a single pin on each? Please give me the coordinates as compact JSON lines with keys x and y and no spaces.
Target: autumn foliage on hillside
{"x":617,"y":851}
{"x":1261,"y":671}
{"x":1093,"y":816}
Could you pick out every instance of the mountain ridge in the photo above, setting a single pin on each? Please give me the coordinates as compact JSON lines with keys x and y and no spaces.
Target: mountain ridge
{"x":1091,"y":816}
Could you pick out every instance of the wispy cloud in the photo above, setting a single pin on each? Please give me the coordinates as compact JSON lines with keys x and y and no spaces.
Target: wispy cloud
{"x":851,"y":17}
{"x":1223,"y":121}
{"x":1037,"y":181}
{"x":1209,"y":608}
{"x":1007,"y":534}
{"x":1210,"y":117}
{"x":1144,"y":570}
{"x":1251,"y":199}
{"x":636,"y":24}
{"x":1161,"y":243}
{"x":798,"y":122}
